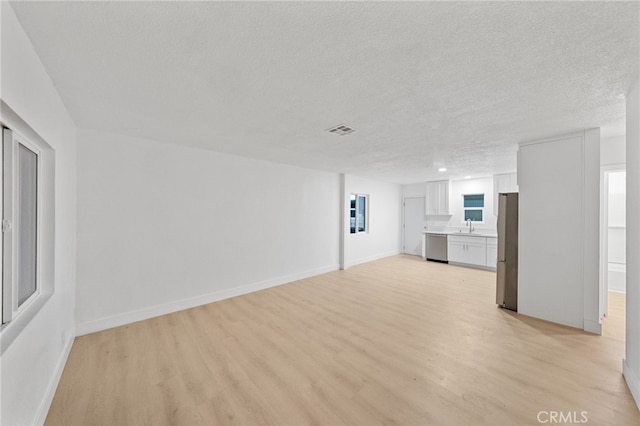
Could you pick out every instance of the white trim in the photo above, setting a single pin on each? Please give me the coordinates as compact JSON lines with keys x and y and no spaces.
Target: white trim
{"x":586,"y":323}
{"x":632,"y":381}
{"x":590,"y":246}
{"x":591,"y":326}
{"x":579,"y":134}
{"x":9,"y":296}
{"x":616,"y":267}
{"x":47,"y":399}
{"x":604,"y":243}
{"x":20,"y":140}
{"x":374,"y":257}
{"x":366,"y":213}
{"x":473,"y":266}
{"x":482,"y":209}
{"x":10,"y":119}
{"x":191,"y":302}
{"x":11,"y":330}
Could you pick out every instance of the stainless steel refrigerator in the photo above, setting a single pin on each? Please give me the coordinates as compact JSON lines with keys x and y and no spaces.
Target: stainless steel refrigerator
{"x":507,"y":281}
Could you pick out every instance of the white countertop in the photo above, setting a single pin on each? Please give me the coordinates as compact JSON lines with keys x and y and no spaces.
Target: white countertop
{"x":464,"y":234}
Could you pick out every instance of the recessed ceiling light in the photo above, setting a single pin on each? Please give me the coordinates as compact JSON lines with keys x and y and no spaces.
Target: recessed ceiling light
{"x":442,"y":169}
{"x":341,"y":130}
{"x":467,"y":177}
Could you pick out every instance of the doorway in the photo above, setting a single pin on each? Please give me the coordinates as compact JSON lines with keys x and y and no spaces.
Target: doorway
{"x":613,"y":239}
{"x":413,"y":226}
{"x":617,"y":231}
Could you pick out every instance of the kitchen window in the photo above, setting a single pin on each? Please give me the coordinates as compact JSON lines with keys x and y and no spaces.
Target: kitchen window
{"x":473,"y":207}
{"x":358,"y":213}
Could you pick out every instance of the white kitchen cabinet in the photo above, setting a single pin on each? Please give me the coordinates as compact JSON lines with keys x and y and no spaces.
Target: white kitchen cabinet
{"x":477,"y":253}
{"x":456,"y":251}
{"x":467,"y":249}
{"x":437,"y":198}
{"x":492,"y":252}
{"x":507,"y":182}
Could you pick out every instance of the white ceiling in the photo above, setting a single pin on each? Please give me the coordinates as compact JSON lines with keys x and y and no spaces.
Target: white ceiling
{"x":424,"y":84}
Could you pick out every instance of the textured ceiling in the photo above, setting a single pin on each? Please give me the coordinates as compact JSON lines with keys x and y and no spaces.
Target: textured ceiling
{"x":455,"y":84}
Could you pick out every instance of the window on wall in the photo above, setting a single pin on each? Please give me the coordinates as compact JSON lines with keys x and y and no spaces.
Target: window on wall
{"x":358,"y":205}
{"x":28,"y":225}
{"x":473,"y":206}
{"x":20,"y":224}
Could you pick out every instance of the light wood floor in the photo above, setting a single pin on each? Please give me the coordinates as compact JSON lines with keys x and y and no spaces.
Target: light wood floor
{"x":396,"y":341}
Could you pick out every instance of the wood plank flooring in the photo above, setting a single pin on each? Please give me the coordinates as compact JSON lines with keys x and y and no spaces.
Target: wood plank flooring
{"x":395,"y":341}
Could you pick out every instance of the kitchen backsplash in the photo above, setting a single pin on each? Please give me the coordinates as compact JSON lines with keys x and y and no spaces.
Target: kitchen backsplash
{"x":444,"y":224}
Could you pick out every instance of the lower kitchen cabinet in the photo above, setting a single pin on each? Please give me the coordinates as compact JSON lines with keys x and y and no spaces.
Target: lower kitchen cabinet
{"x":467,"y":250}
{"x":456,"y":252}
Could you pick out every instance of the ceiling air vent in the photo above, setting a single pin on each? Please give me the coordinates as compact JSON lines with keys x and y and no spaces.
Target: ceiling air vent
{"x":341,"y":130}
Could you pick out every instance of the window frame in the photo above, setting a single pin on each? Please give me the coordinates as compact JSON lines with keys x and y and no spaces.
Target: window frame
{"x":481,"y":209}
{"x":46,"y":224}
{"x":355,"y":230}
{"x":11,"y":307}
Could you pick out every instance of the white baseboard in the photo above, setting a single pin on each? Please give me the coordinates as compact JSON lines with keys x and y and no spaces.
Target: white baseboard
{"x":372,"y":258}
{"x":191,"y":302}
{"x":472,"y":266}
{"x":631,"y":378}
{"x":45,"y":404}
{"x":591,"y":326}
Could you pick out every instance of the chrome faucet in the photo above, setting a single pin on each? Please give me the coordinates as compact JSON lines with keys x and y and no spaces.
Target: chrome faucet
{"x":469,"y":224}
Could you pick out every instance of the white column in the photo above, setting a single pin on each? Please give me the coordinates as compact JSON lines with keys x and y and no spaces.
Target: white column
{"x":631,"y":365}
{"x":559,"y":214}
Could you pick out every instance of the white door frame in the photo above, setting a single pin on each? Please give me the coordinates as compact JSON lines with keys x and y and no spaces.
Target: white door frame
{"x":604,"y":234}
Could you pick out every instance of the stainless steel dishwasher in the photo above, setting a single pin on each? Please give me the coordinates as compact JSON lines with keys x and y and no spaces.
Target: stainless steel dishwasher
{"x":437,"y":247}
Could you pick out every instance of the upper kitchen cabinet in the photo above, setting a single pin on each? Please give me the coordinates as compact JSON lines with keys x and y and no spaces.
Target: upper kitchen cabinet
{"x":507,"y":182}
{"x":437,"y":198}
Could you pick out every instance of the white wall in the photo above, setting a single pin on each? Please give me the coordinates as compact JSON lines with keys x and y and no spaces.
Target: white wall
{"x":631,"y":365}
{"x":162,"y":227}
{"x":613,"y":151}
{"x":458,"y":188}
{"x":385,"y":210}
{"x":413,"y":190}
{"x":31,"y":365}
{"x":558,"y":277}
